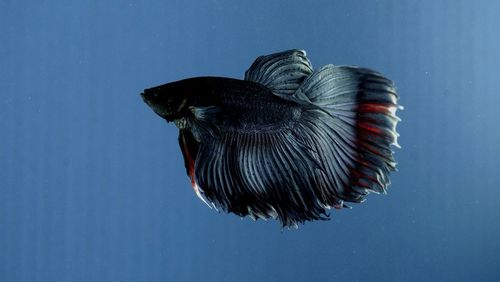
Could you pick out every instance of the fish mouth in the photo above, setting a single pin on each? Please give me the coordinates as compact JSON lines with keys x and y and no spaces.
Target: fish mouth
{"x":148,"y":101}
{"x":146,"y":97}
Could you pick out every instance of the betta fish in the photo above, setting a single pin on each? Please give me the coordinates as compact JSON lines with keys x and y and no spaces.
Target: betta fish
{"x":287,"y":141}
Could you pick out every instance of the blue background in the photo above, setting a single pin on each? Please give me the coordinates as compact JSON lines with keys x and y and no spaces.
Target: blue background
{"x":92,"y":183}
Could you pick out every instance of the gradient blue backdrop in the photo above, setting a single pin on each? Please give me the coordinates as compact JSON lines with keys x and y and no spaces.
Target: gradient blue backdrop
{"x":92,"y":183}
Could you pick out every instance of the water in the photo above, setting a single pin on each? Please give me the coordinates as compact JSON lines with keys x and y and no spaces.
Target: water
{"x":92,"y":183}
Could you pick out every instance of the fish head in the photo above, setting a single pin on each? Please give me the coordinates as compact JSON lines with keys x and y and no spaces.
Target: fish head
{"x":187,"y":103}
{"x":170,"y":101}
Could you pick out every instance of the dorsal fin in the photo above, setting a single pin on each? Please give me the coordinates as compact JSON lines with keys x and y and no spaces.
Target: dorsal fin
{"x":282,"y":72}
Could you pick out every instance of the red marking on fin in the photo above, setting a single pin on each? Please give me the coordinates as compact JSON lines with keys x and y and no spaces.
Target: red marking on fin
{"x":371,"y":149}
{"x":189,"y":161}
{"x":376,"y":108}
{"x":370,"y":128}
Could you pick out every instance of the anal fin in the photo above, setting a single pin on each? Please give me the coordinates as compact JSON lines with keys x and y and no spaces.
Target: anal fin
{"x":189,"y":148}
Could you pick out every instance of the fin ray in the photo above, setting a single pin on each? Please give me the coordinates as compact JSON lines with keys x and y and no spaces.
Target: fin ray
{"x":282,"y":72}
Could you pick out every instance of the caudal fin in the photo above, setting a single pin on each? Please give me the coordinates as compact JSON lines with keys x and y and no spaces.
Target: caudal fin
{"x":354,"y":126}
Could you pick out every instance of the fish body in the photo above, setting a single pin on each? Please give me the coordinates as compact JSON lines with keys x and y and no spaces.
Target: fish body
{"x":237,"y":105}
{"x":286,"y":141}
